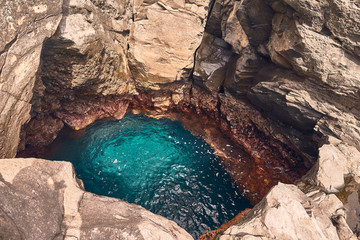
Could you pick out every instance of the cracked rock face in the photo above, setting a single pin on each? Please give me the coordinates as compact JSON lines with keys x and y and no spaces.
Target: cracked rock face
{"x":54,"y":205}
{"x":162,"y":52}
{"x":100,"y":49}
{"x":24,"y":27}
{"x":314,"y":215}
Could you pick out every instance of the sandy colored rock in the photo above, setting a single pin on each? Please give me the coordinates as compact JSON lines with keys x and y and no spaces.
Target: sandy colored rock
{"x":296,"y":216}
{"x":307,"y":106}
{"x":162,"y":52}
{"x":24,"y":25}
{"x":337,"y":160}
{"x":42,"y":199}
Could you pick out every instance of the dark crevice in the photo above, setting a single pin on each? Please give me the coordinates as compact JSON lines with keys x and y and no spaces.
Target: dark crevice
{"x":58,"y":234}
{"x":8,"y":45}
{"x":191,"y":76}
{"x":46,"y":17}
{"x":6,"y":48}
{"x":191,"y":91}
{"x":222,"y":89}
{"x":211,"y":6}
{"x":2,"y":66}
{"x":124,"y":32}
{"x":326,"y":31}
{"x":218,"y":105}
{"x":132,"y":12}
{"x":66,"y":7}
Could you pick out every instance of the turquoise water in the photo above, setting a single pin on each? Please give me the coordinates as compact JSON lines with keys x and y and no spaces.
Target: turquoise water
{"x":158,"y":165}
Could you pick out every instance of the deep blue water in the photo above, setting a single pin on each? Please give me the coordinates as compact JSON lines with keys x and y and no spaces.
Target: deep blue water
{"x":158,"y":165}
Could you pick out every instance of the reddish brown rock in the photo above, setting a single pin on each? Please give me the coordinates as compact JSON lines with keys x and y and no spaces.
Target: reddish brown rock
{"x":210,"y":235}
{"x":42,"y":130}
{"x":79,"y":114}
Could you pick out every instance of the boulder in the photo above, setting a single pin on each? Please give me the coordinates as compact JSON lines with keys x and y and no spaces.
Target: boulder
{"x":336,"y":161}
{"x":43,"y":199}
{"x":297,"y":216}
{"x":211,"y":62}
{"x":164,"y":38}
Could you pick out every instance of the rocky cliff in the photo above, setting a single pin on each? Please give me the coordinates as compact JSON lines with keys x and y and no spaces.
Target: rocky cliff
{"x":54,"y":205}
{"x":279,"y":77}
{"x":65,"y":211}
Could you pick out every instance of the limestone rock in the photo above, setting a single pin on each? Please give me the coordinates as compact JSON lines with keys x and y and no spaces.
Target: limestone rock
{"x":85,"y":69}
{"x":40,"y":131}
{"x":296,"y":216}
{"x":43,"y":200}
{"x":211,"y":62}
{"x":337,"y":160}
{"x":342,"y":20}
{"x":163,"y":51}
{"x":242,"y":25}
{"x":238,"y":24}
{"x":233,"y":33}
{"x":311,"y":50}
{"x":280,"y":93}
{"x":83,"y":65}
{"x":108,"y":53}
{"x":242,"y":72}
{"x":24,"y":26}
{"x":350,"y":195}
{"x":87,"y":55}
{"x":306,"y":105}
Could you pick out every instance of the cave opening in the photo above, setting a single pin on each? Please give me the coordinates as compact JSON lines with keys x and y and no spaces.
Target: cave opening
{"x":154,"y":163}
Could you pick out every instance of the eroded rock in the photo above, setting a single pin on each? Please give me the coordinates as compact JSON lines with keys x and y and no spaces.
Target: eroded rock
{"x":42,"y":199}
{"x":24,"y":27}
{"x":108,"y":53}
{"x":337,"y":160}
{"x":296,"y":216}
{"x":162,"y":52}
{"x":211,"y":62}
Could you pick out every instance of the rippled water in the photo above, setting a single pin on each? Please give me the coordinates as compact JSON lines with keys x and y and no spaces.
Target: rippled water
{"x":158,"y":165}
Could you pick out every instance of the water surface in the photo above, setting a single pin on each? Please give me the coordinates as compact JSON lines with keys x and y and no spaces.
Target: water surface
{"x":157,"y":164}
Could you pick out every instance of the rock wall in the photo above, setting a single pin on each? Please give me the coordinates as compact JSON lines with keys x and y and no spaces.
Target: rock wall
{"x":24,"y":26}
{"x":297,"y":62}
{"x":294,"y":63}
{"x":106,"y":56}
{"x":104,"y":52}
{"x":280,"y":77}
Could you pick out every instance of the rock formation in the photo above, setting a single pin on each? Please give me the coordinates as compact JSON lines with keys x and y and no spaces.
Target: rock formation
{"x":279,"y":77}
{"x":314,"y":215}
{"x":43,"y":200}
{"x":24,"y":27}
